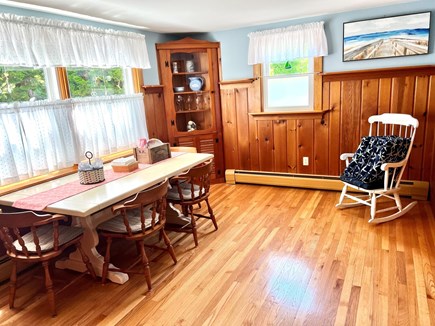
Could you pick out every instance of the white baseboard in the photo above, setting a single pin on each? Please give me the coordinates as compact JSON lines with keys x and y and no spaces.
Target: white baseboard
{"x":414,"y":189}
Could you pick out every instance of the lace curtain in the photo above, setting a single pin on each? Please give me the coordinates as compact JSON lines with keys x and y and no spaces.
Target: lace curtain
{"x":44,"y":136}
{"x":282,"y":44}
{"x":41,"y":42}
{"x":109,"y":124}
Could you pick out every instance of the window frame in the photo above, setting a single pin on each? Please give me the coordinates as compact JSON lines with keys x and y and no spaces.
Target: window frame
{"x":317,"y":88}
{"x":307,"y":107}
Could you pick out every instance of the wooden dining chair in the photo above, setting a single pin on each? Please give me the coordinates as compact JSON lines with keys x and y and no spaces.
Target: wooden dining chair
{"x":32,"y":238}
{"x":185,"y":149}
{"x":138,"y":219}
{"x":188,"y":189}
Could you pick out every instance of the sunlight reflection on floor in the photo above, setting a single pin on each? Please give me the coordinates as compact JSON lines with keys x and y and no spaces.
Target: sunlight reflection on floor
{"x":288,"y":283}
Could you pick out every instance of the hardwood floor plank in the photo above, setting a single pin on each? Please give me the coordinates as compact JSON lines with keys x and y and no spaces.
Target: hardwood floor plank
{"x":281,"y":256}
{"x":421,"y":294}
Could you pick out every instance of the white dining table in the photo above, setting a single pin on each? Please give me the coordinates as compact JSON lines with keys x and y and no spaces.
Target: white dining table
{"x":92,"y":207}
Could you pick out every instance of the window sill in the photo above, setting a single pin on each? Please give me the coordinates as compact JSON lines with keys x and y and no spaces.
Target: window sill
{"x":54,"y":175}
{"x":280,"y":115}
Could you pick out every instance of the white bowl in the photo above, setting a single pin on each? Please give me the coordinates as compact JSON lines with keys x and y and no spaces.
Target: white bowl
{"x":179,"y":89}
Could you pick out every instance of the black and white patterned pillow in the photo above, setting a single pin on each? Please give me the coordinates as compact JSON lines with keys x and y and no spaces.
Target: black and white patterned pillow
{"x":364,"y":170}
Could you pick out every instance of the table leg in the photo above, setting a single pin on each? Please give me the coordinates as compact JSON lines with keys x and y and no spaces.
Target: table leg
{"x":89,"y":243}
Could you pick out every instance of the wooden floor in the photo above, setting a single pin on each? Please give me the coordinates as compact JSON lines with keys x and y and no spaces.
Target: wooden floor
{"x":281,"y":256}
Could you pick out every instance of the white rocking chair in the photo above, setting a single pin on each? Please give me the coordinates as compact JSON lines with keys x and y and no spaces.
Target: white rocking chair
{"x":377,"y":166}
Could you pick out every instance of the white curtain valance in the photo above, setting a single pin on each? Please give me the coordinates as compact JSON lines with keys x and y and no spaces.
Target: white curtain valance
{"x":41,"y":42}
{"x":282,"y":44}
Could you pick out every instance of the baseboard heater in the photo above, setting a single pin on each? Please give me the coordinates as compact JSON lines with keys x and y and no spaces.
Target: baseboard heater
{"x":414,"y":189}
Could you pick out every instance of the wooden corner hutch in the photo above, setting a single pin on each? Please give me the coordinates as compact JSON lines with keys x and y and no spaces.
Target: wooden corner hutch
{"x":189,"y":70}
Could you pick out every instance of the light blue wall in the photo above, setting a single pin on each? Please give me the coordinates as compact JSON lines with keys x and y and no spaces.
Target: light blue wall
{"x":150,"y":75}
{"x":234,"y":43}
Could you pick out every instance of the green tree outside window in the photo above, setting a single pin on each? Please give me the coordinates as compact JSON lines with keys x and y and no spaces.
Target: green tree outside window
{"x":297,"y":66}
{"x":95,"y":81}
{"x":22,"y":84}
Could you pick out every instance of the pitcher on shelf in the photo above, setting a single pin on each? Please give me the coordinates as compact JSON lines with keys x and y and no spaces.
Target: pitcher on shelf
{"x":196,"y":83}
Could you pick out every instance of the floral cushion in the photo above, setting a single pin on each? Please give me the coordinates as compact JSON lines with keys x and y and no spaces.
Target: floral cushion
{"x":364,"y":170}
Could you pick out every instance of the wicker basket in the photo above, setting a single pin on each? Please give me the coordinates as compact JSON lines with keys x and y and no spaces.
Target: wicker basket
{"x":91,"y":176}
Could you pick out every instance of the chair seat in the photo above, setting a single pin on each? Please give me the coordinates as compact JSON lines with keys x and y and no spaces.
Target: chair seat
{"x":364,"y":170}
{"x":45,"y":235}
{"x":116,"y":224}
{"x":45,"y":242}
{"x":138,"y":219}
{"x":185,"y":187}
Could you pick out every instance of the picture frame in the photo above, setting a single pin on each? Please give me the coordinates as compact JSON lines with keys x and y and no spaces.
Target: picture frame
{"x":387,"y":37}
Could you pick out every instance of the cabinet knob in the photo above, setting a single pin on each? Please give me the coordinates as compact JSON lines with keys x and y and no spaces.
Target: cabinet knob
{"x":172,"y":123}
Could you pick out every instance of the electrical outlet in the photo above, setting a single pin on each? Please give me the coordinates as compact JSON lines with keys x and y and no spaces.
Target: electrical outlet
{"x":305,"y":161}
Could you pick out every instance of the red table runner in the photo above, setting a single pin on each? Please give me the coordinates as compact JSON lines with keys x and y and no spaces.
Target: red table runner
{"x":41,"y":200}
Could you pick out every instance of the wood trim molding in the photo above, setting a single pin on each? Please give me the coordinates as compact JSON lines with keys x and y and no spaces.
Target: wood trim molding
{"x":137,"y":75}
{"x":186,"y":43}
{"x":318,"y":84}
{"x":63,"y":83}
{"x":153,"y":89}
{"x":238,"y":81}
{"x":379,"y":73}
{"x":287,"y":115}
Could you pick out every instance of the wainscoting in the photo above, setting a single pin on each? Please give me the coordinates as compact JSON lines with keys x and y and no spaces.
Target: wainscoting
{"x":278,"y":142}
{"x":155,"y":114}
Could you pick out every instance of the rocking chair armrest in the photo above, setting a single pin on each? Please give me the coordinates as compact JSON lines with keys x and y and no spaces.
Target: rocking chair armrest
{"x":346,"y":156}
{"x":386,"y":166}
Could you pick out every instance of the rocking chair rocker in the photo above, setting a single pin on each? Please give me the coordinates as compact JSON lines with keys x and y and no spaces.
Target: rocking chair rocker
{"x":377,"y":166}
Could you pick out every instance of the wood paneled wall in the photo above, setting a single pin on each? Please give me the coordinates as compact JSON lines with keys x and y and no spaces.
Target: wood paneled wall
{"x":155,"y":114}
{"x":278,"y":142}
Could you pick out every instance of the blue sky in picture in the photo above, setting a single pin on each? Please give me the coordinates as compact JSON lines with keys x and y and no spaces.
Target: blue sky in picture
{"x":390,"y":24}
{"x":415,"y":33}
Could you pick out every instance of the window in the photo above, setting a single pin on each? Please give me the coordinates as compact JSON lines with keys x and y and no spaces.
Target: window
{"x":95,"y":81}
{"x":18,"y":84}
{"x":42,"y":127}
{"x":41,"y":133}
{"x":288,"y":86}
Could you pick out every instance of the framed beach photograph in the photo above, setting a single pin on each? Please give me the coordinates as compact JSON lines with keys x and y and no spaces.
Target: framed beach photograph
{"x":387,"y":37}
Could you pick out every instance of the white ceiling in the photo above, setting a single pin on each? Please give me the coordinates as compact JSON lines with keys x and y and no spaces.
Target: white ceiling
{"x":184,"y":16}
